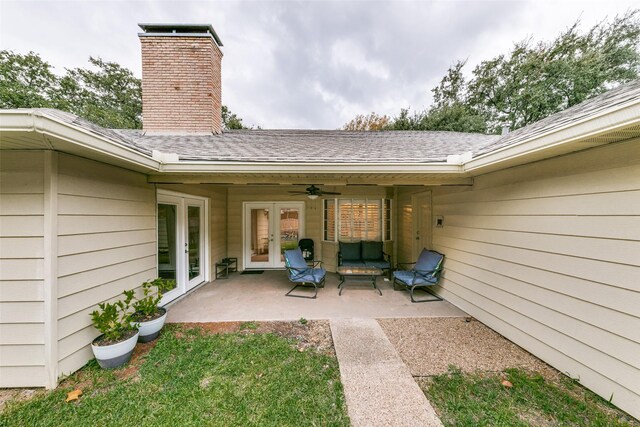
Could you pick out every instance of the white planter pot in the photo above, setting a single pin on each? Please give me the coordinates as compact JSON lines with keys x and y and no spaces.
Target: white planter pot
{"x":114,"y":355}
{"x":150,"y":330}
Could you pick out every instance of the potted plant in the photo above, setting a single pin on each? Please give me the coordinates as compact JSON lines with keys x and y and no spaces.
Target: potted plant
{"x":114,"y":347}
{"x":147,"y":315}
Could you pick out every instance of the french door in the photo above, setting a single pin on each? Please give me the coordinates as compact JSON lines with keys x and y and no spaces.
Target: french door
{"x":182,"y":240}
{"x":269,"y":229}
{"x":421,"y":222}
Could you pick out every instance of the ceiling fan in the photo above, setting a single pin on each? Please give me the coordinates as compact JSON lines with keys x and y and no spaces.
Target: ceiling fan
{"x":313,"y":192}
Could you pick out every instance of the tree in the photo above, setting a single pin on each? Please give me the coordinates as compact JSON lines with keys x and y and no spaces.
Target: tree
{"x":536,"y":80}
{"x":106,"y":94}
{"x":370,"y":122}
{"x":533,"y":80}
{"x":25,"y":81}
{"x":231,"y":120}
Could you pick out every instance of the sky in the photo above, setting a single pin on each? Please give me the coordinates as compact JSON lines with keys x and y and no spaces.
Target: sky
{"x":304,"y":64}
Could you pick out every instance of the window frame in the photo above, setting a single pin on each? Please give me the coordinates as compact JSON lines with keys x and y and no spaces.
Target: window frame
{"x":386,"y":217}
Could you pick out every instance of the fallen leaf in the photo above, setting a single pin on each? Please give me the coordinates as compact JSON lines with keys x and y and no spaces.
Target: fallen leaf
{"x":73,"y":395}
{"x":507,"y":384}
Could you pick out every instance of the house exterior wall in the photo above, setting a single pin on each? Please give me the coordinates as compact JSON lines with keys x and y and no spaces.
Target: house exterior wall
{"x":22,"y":270}
{"x":106,"y":244}
{"x":325,"y":251}
{"x":238,"y":195}
{"x":548,"y":255}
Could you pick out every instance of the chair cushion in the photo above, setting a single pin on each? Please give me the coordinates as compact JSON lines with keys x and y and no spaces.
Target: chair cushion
{"x":293,"y":258}
{"x":312,"y":275}
{"x":372,"y":251}
{"x":428,"y":261}
{"x":350,"y":251}
{"x":352,"y":263}
{"x":383,"y":265}
{"x":409,"y":279}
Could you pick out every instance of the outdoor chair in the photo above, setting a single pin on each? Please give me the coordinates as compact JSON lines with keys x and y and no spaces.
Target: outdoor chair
{"x":302,"y":274}
{"x":425,"y":273}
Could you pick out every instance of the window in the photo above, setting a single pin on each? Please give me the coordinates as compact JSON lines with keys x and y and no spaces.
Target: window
{"x":357,"y":219}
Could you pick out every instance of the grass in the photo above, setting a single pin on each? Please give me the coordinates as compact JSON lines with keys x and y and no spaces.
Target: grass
{"x":193,"y":378}
{"x":481,"y":400}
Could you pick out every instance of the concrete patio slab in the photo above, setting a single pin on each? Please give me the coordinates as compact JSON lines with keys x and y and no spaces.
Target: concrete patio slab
{"x":261,"y":297}
{"x":378,"y":387}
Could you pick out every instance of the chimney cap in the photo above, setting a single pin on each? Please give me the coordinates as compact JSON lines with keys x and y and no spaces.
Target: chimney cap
{"x":180,"y":29}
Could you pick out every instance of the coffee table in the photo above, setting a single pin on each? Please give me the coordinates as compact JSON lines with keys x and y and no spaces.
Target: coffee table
{"x":358,"y":274}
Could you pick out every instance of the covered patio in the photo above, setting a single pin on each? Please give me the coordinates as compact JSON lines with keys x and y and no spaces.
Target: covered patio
{"x":247,"y":297}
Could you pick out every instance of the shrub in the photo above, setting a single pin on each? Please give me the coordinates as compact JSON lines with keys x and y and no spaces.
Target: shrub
{"x":152,"y":292}
{"x":114,"y":319}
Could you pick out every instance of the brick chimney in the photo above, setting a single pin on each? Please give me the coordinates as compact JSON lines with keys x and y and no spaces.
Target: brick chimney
{"x":181,"y":78}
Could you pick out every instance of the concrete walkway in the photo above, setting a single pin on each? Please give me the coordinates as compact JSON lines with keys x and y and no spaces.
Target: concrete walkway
{"x":378,"y":387}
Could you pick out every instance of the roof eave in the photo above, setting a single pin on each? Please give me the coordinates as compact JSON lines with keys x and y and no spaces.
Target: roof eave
{"x":69,"y":138}
{"x":288,"y":167}
{"x":569,"y":138}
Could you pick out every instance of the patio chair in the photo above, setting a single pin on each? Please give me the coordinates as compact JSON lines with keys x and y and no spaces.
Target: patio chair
{"x":302,"y":274}
{"x":425,"y":273}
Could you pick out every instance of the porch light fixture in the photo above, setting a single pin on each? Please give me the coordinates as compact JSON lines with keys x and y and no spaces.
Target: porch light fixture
{"x":312,"y":196}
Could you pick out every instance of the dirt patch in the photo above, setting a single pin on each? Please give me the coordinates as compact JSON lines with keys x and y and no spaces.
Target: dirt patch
{"x":17,"y":395}
{"x":429,"y":345}
{"x":130,"y":370}
{"x":214,"y":327}
{"x":312,"y":334}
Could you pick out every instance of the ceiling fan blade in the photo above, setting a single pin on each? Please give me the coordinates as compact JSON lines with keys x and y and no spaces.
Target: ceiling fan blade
{"x":329,"y":192}
{"x":298,"y":192}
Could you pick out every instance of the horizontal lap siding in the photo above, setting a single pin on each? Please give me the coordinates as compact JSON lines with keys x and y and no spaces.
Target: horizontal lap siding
{"x":548,"y":254}
{"x":106,"y":244}
{"x":22,"y":361}
{"x":313,"y":214}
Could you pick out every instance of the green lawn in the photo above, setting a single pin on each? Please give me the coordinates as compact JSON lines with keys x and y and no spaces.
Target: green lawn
{"x":193,"y":378}
{"x":481,"y":400}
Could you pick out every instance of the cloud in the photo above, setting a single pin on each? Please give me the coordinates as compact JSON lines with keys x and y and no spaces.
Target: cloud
{"x":312,"y":64}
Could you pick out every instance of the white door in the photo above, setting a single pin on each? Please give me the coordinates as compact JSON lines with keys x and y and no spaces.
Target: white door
{"x":181,"y":242}
{"x":421,"y":222}
{"x":269,"y":229}
{"x":194,"y":242}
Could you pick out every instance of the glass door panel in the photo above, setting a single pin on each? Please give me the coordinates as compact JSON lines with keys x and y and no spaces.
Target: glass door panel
{"x":193,"y":224}
{"x":259,"y":237}
{"x":167,"y":243}
{"x":289,"y":229}
{"x":194,"y":242}
{"x":170,"y":246}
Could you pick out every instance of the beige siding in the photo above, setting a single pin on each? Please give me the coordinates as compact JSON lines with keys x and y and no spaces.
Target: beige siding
{"x":22,"y":361}
{"x":313,"y":215}
{"x":106,"y":244}
{"x":548,"y":254}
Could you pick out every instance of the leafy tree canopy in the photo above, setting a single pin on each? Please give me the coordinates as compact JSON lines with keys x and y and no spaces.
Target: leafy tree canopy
{"x":231,"y":120}
{"x":106,"y":93}
{"x":533,"y":80}
{"x":371,"y":122}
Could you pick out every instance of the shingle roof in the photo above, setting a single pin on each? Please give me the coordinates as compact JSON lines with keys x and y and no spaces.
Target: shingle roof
{"x":589,"y":108}
{"x":303,"y":146}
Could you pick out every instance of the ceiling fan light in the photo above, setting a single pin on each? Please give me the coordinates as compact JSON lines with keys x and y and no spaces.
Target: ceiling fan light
{"x":312,"y":196}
